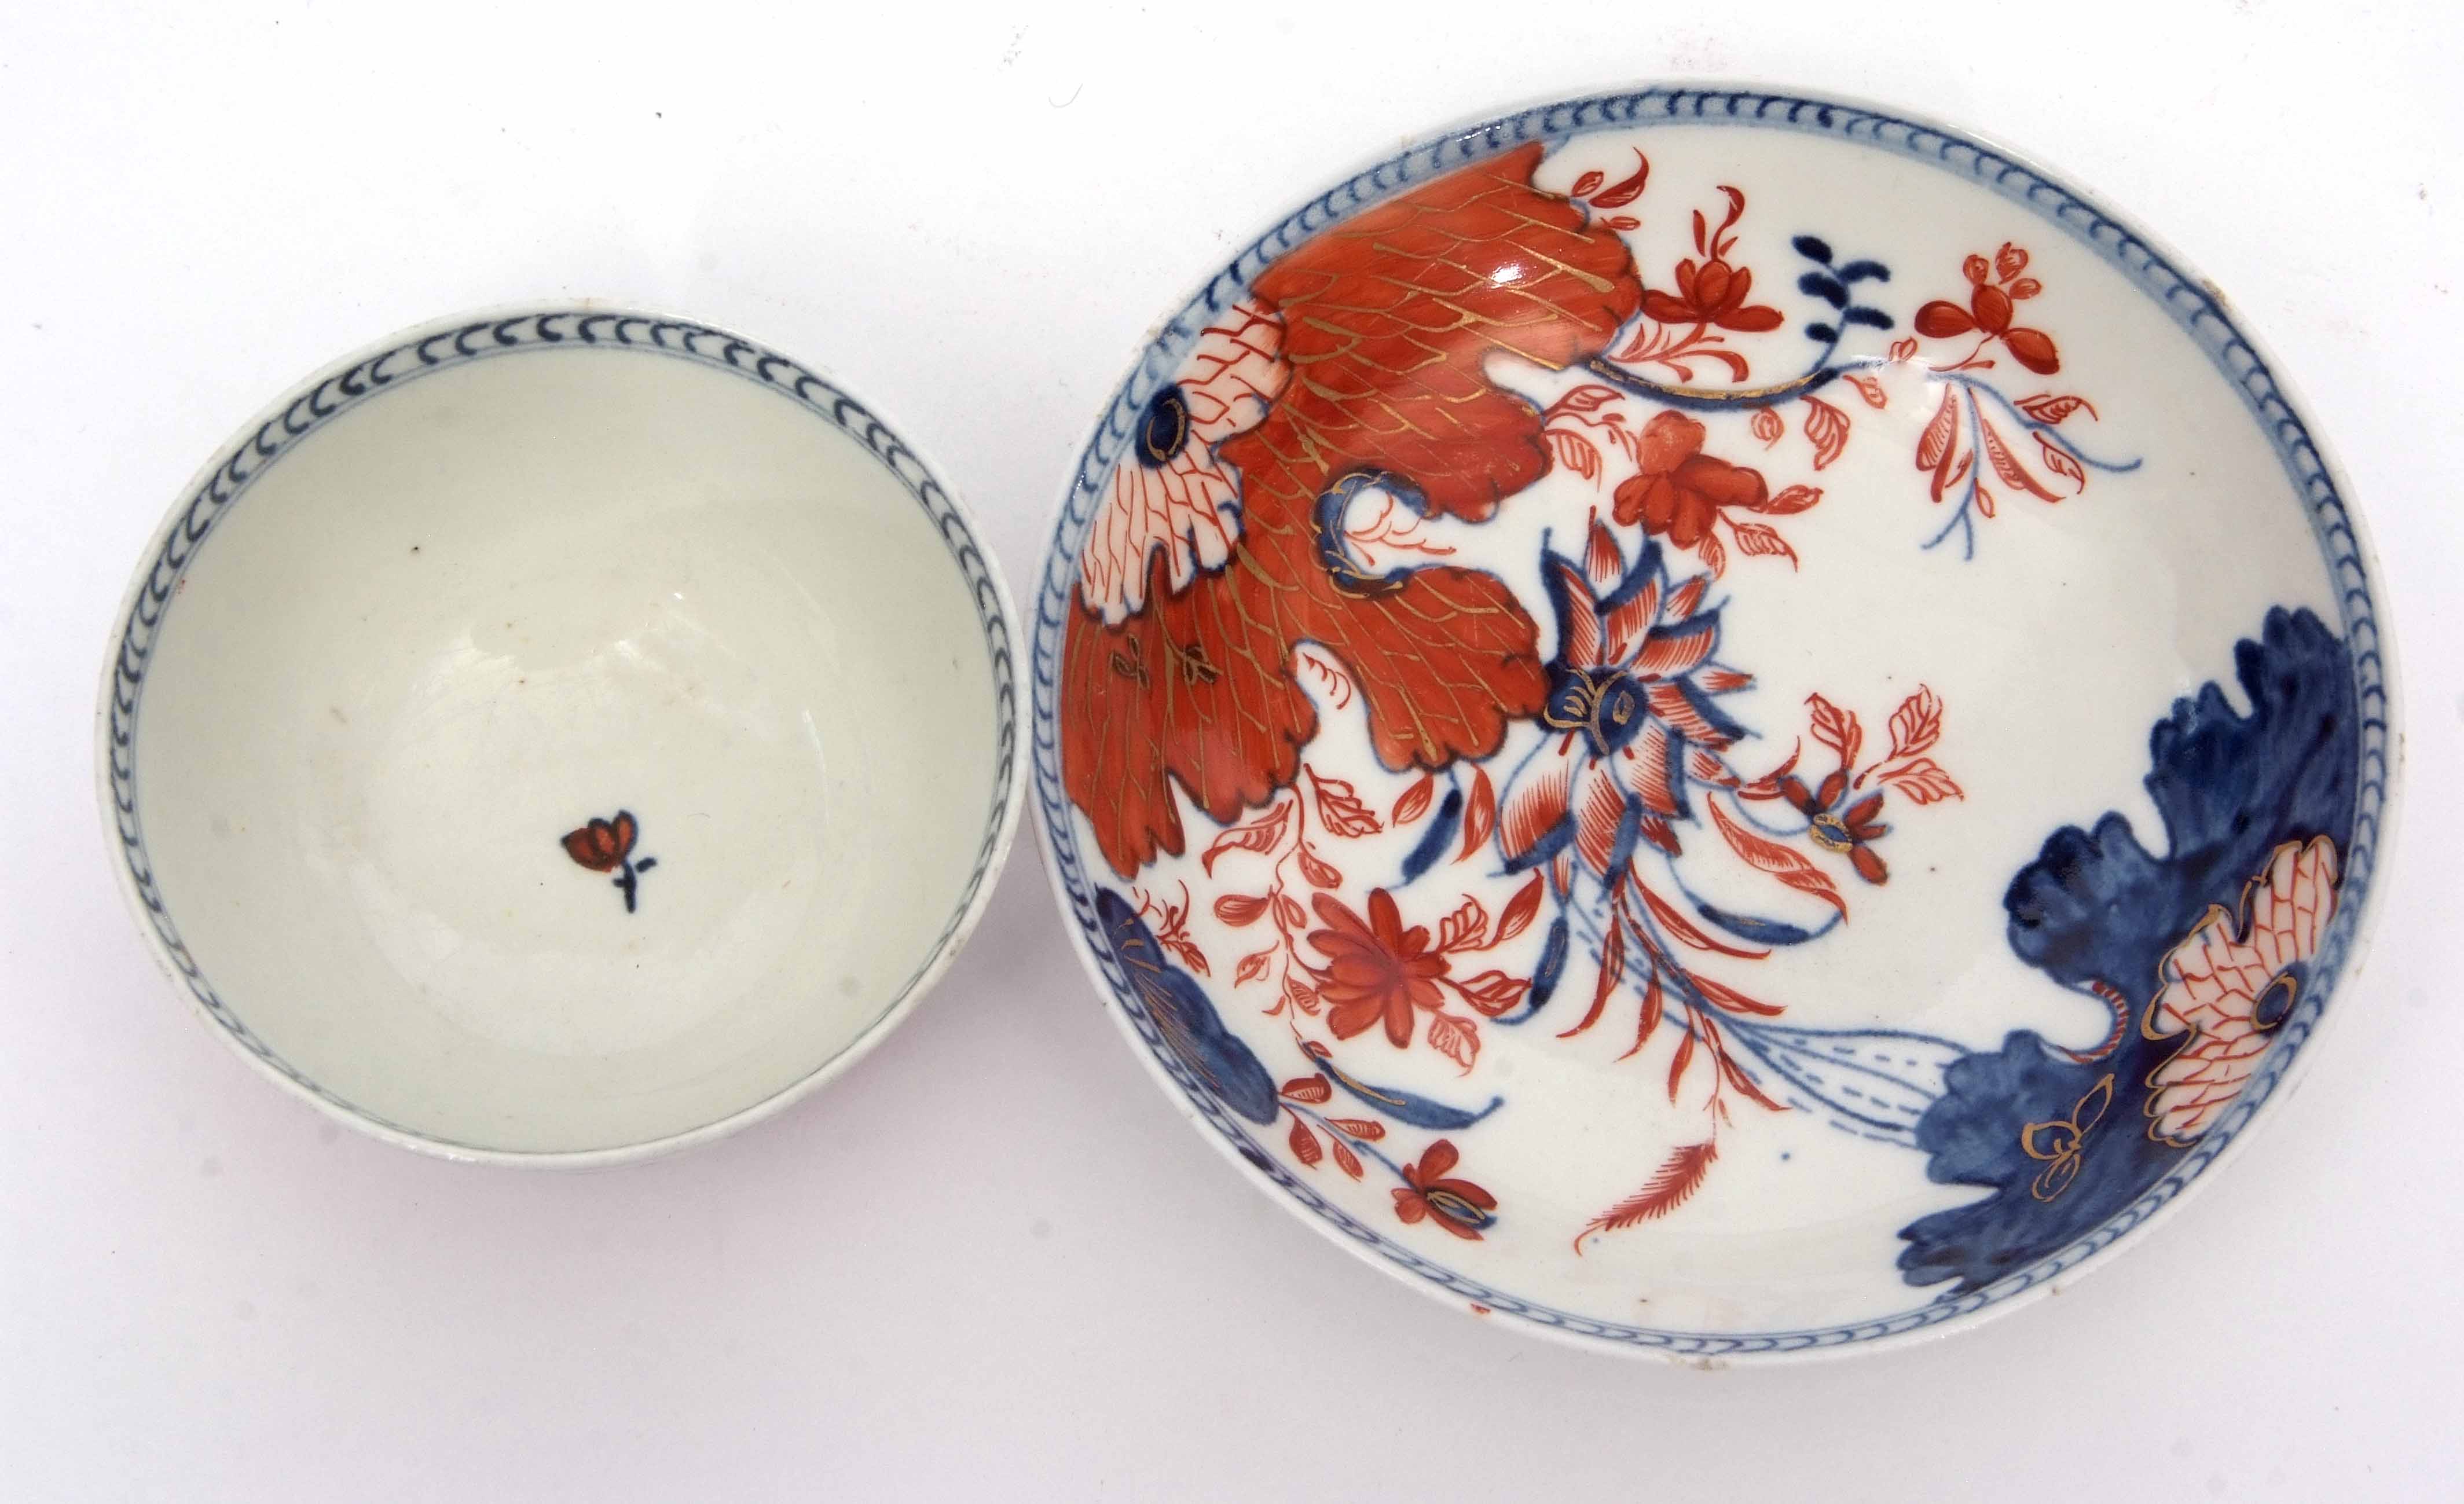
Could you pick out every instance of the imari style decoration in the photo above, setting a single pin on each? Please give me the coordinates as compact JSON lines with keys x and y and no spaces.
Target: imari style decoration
{"x":1719,"y":722}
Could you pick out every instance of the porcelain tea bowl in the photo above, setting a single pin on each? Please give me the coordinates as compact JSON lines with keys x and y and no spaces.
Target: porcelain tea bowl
{"x":1714,"y":723}
{"x":561,"y":736}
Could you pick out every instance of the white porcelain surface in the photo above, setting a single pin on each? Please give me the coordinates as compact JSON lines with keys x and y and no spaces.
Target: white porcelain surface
{"x":1714,"y":817}
{"x":583,"y":563}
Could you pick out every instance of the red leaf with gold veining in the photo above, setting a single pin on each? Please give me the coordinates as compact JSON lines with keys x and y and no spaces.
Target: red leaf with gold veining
{"x":1390,"y":318}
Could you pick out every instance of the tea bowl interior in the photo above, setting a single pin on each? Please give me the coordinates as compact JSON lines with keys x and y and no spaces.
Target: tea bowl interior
{"x":561,"y":736}
{"x":1713,"y":722}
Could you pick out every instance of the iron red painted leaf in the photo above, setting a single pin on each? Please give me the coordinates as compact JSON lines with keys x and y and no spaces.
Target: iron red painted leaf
{"x":1397,"y":314}
{"x":1305,"y":1145}
{"x":1768,"y":427}
{"x":1917,"y":724}
{"x":1289,"y":910}
{"x":1975,"y":270}
{"x":1923,"y":782}
{"x":1464,"y":926}
{"x":1625,"y":190}
{"x":1653,"y":1001}
{"x":1984,"y":498}
{"x":1778,"y":860}
{"x":1493,"y":992}
{"x":1458,"y":1039}
{"x":1835,"y":728}
{"x":1238,"y":909}
{"x":1670,"y":1186}
{"x":1479,"y":815}
{"x":1721,"y":995}
{"x":1182,"y":946}
{"x":2007,"y":465}
{"x":1714,"y":554}
{"x":1673,"y":919}
{"x":1678,"y":1063}
{"x":2059,"y":460}
{"x":1790,"y":500}
{"x":2009,"y":261}
{"x":1414,"y":802}
{"x":1584,"y":184}
{"x":1252,"y":967}
{"x":1754,"y":537}
{"x":1261,"y":834}
{"x":1869,"y":388}
{"x":1589,"y":397}
{"x":2046,"y":408}
{"x":1623,"y":222}
{"x":1320,"y":873}
{"x":1738,"y":1078}
{"x":1345,"y":1160}
{"x":1933,"y":448}
{"x":1339,"y":808}
{"x":1826,"y":427}
{"x":1942,"y":320}
{"x":1366,"y":1129}
{"x":1575,"y":452}
{"x":1519,"y":912}
{"x":1298,"y":993}
{"x":1612,"y":967}
{"x":2035,"y":349}
{"x":2026,"y":287}
{"x":1309,"y":1089}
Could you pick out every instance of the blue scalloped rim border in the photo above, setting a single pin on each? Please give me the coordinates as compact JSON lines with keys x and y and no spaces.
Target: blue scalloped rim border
{"x":2183,"y":298}
{"x":363,"y":379}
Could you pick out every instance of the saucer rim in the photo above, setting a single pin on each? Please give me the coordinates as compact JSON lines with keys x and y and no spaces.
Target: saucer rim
{"x":1375,"y":179}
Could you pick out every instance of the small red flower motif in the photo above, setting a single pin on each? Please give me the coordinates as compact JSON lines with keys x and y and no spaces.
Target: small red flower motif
{"x":1712,"y":291}
{"x":1457,"y":1206}
{"x":606,"y":846}
{"x":1377,"y":970}
{"x":1842,"y":830}
{"x":1994,"y":290}
{"x":602,"y":845}
{"x":1680,"y":490}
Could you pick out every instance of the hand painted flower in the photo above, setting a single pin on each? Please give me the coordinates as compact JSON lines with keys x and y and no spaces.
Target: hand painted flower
{"x":1377,"y":971}
{"x":603,"y":845}
{"x":1680,"y":490}
{"x":1994,"y":290}
{"x":1713,"y":292}
{"x":1630,"y":692}
{"x":2227,"y":993}
{"x":1836,"y":828}
{"x":1457,"y":1206}
{"x":1169,"y":492}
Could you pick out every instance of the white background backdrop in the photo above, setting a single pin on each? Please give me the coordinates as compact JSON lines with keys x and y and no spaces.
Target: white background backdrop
{"x":992,"y":1262}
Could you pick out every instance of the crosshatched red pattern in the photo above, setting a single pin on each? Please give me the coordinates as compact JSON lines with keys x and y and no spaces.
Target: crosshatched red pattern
{"x":1388,"y":319}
